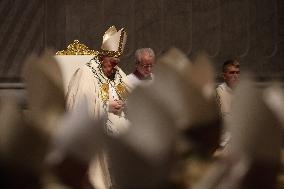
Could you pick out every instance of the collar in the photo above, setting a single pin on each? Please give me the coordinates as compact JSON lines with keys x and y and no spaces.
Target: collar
{"x":96,"y":67}
{"x":227,"y":87}
{"x":140,"y":76}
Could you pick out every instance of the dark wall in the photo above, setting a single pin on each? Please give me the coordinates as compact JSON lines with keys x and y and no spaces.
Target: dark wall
{"x":250,"y":29}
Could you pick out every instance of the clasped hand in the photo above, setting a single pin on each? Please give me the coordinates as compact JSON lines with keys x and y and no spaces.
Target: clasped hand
{"x":116,"y":106}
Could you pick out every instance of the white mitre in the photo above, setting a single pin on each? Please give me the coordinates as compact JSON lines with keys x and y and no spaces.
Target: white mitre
{"x":114,"y":42}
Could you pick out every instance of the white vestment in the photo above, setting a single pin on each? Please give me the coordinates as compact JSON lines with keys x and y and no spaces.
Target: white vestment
{"x":91,"y":84}
{"x":134,"y":81}
{"x":224,"y":98}
{"x":224,"y":95}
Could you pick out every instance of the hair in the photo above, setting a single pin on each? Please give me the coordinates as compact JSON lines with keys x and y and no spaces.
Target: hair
{"x":230,"y":62}
{"x":142,"y":52}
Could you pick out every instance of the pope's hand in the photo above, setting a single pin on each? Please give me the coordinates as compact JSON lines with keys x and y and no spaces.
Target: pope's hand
{"x":116,"y":106}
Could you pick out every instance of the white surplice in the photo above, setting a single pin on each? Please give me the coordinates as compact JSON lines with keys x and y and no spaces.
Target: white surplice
{"x":224,"y":98}
{"x":134,"y":81}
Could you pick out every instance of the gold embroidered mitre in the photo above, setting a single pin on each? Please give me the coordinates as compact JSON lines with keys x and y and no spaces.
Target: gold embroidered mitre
{"x":113,"y":42}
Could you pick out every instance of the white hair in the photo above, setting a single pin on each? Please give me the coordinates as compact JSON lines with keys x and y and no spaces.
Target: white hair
{"x":143,"y":52}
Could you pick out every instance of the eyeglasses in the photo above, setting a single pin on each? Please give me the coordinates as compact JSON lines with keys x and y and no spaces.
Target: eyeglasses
{"x":147,"y":66}
{"x":234,"y":72}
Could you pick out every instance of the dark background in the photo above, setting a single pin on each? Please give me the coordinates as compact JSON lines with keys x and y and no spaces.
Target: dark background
{"x":250,"y":29}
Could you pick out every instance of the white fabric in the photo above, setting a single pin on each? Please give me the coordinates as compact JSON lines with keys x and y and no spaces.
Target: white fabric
{"x":134,"y":81}
{"x":86,"y":84}
{"x":69,"y":64}
{"x":224,"y":96}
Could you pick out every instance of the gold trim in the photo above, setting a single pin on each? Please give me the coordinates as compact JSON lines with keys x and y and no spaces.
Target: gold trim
{"x":122,"y":91}
{"x":77,"y":48}
{"x":104,"y":90}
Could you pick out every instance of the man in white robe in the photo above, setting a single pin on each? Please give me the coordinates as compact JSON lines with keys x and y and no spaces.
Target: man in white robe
{"x":145,"y":59}
{"x":224,"y":93}
{"x":231,"y":71}
{"x":104,"y":95}
{"x":104,"y":86}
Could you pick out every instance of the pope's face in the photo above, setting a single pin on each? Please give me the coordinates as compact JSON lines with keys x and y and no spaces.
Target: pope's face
{"x":108,"y":65}
{"x":231,"y":75}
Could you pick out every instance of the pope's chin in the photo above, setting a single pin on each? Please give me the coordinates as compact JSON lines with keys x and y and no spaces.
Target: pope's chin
{"x":111,"y":73}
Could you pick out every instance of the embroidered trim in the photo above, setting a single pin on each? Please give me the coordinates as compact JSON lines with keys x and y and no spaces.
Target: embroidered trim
{"x":104,"y":82}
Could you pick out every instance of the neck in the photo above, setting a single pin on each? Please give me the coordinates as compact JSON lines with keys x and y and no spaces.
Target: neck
{"x":228,"y":86}
{"x":140,"y":76}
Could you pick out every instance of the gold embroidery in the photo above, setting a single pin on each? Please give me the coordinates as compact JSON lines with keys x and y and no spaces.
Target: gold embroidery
{"x":121,"y":91}
{"x":77,"y":48}
{"x":104,"y":90}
